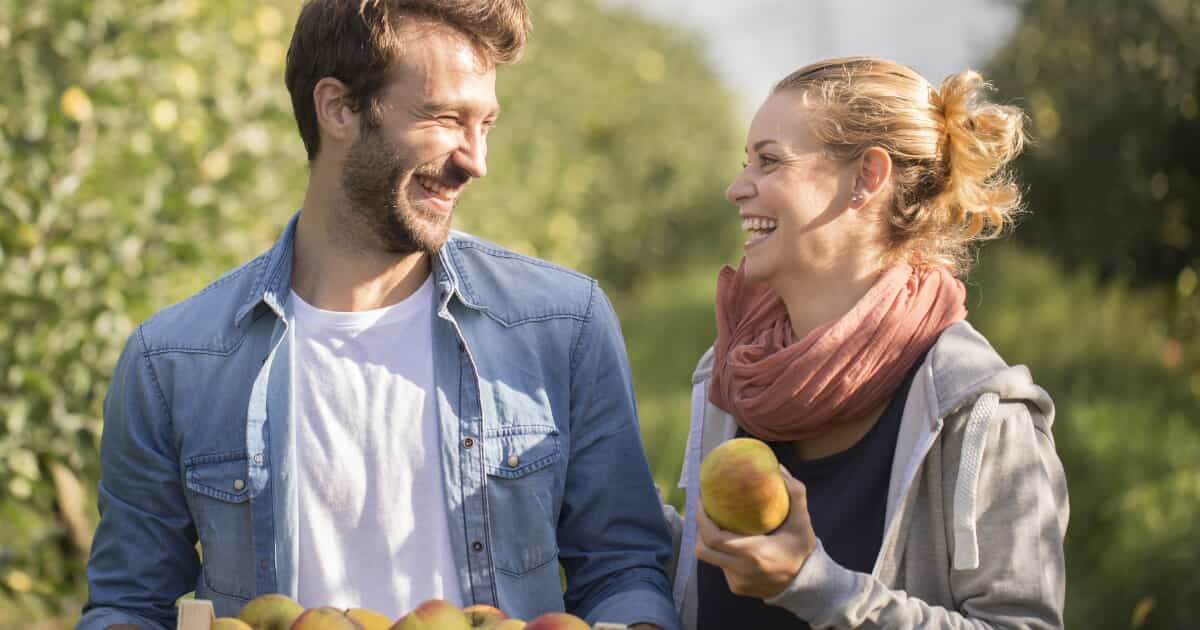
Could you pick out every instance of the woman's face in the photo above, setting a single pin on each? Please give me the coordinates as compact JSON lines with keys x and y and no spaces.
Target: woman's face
{"x":793,"y":198}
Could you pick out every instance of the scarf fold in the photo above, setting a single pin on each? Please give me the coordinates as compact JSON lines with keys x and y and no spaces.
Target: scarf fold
{"x":782,"y":389}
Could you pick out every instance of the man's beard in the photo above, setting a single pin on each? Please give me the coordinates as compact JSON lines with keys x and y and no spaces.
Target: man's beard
{"x":376,"y":177}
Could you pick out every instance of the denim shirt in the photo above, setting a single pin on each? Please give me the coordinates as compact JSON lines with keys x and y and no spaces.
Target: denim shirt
{"x":541,"y":455}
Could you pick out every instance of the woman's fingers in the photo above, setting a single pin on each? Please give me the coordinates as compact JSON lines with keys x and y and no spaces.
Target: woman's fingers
{"x":718,"y":558}
{"x":797,"y":499}
{"x":710,"y":532}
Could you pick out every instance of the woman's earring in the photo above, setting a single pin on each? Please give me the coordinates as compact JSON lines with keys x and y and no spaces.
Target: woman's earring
{"x":858,"y":198}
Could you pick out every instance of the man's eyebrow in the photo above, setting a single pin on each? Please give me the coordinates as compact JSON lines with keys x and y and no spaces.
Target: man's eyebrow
{"x":441,"y":106}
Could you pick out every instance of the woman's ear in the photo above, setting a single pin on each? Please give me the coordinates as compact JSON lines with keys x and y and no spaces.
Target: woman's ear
{"x":874,"y":171}
{"x":335,"y":119}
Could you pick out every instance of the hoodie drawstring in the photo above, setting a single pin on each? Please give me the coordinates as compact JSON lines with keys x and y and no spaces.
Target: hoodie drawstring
{"x":966,"y":541}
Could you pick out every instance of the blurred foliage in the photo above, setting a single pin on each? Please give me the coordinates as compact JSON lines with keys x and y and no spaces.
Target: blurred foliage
{"x":1127,"y":429}
{"x":131,"y":172}
{"x":613,"y":151}
{"x":1126,"y":418}
{"x":145,"y":147}
{"x":1113,"y":90}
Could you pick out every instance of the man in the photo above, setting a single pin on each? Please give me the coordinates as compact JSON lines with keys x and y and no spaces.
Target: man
{"x":377,"y":411}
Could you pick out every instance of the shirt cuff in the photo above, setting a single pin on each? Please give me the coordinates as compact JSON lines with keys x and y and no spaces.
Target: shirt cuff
{"x":637,"y":606}
{"x":101,"y":618}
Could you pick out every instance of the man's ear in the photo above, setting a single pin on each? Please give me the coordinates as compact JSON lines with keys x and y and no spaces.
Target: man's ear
{"x":335,"y":119}
{"x":874,"y":171}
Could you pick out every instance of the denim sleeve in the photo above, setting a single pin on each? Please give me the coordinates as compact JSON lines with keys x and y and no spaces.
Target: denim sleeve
{"x":143,"y":556}
{"x":613,"y":540}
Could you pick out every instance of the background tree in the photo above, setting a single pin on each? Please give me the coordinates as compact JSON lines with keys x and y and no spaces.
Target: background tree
{"x":1113,"y":89}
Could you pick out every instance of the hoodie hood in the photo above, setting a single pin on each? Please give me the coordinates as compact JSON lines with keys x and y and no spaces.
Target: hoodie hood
{"x":963,"y":365}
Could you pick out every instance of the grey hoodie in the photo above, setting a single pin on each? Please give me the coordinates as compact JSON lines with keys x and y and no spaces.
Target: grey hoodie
{"x":976,"y":508}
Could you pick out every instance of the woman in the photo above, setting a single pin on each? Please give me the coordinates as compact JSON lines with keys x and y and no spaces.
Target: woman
{"x":929,"y":493}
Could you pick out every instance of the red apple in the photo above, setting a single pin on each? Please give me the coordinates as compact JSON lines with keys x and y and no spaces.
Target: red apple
{"x":434,"y":614}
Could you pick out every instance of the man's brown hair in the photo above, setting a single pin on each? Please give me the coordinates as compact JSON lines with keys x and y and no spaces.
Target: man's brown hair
{"x":355,"y":42}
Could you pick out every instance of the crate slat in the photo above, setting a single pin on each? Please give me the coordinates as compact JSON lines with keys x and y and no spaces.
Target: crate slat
{"x":194,"y":614}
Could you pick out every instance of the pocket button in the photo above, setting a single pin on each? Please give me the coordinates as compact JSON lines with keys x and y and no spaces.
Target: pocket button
{"x":238,"y":484}
{"x":513,"y":461}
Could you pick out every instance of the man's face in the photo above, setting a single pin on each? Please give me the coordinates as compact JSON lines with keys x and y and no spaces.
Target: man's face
{"x":404,"y":173}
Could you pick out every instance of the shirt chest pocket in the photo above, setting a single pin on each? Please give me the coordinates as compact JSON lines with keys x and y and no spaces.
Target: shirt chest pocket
{"x":524,"y":485}
{"x":218,"y":492}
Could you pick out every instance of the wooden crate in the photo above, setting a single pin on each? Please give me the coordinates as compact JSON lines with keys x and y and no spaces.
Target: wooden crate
{"x":194,"y":614}
{"x":197,"y":614}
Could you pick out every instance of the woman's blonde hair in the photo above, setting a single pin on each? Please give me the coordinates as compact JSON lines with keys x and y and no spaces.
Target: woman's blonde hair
{"x":950,"y":150}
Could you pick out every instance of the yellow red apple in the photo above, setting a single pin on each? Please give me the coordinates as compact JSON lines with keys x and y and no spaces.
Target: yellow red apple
{"x":271,"y":611}
{"x":369,"y":619}
{"x":741,"y":487}
{"x":325,"y":618}
{"x":229,"y":623}
{"x":484,"y":617}
{"x":557,"y":621}
{"x":434,"y":614}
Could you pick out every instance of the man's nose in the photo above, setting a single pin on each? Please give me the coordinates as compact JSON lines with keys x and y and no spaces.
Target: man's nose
{"x":472,"y":155}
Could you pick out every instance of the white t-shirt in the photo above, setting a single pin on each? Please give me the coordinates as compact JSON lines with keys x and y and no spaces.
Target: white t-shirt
{"x":373,"y":524}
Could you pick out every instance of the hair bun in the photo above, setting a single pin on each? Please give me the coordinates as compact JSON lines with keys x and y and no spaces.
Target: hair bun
{"x":980,"y":139}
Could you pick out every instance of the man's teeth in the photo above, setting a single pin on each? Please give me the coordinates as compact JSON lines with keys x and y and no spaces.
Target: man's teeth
{"x":759,"y":226}
{"x":436,"y":188}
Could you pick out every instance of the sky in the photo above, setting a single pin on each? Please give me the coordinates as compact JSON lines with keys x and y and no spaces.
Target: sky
{"x":754,"y":43}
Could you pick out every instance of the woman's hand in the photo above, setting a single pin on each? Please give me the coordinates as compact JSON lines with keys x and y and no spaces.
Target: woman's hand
{"x":760,"y":566}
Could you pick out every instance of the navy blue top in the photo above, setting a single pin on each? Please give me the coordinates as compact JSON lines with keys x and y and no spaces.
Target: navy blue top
{"x":847,"y":502}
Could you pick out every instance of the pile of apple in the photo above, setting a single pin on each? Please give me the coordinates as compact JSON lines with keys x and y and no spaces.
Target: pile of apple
{"x":279,"y":612}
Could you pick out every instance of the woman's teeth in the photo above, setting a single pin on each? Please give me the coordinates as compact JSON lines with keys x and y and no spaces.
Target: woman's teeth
{"x":758,"y":227}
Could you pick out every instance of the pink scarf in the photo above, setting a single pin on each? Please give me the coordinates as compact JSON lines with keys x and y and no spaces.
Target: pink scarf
{"x":781,"y":389}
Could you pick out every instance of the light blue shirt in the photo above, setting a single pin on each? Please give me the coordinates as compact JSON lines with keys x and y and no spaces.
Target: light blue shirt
{"x":541,"y":455}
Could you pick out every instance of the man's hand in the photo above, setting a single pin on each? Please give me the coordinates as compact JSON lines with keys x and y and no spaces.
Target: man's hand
{"x":760,"y":566}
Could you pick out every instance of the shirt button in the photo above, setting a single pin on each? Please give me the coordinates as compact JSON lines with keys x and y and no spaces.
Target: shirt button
{"x":513,"y":460}
{"x":477,"y":546}
{"x":238,"y":484}
{"x":468,"y":442}
{"x":258,"y":459}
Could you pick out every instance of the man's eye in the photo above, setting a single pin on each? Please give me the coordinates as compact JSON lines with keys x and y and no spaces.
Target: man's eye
{"x":766,"y":160}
